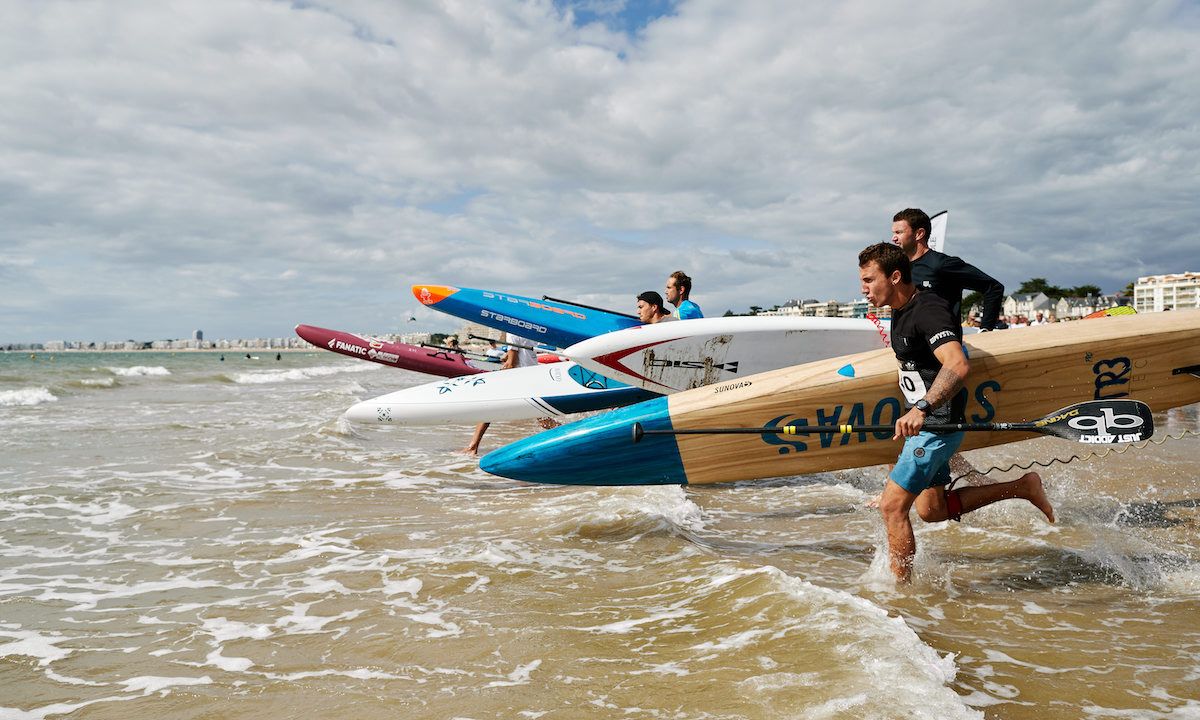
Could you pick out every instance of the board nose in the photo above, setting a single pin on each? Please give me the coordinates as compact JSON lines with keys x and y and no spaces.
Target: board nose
{"x":432,"y":294}
{"x":363,"y":412}
{"x":595,"y":451}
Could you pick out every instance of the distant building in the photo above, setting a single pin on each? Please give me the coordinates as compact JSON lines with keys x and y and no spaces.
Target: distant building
{"x":198,"y":335}
{"x":1079,"y":307}
{"x":1028,"y":304}
{"x":1155,"y":293}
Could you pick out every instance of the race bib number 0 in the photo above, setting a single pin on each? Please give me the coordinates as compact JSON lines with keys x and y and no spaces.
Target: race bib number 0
{"x":911,"y":385}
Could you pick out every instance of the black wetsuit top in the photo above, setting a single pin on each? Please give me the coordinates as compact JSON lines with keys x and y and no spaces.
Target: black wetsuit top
{"x":948,"y":276}
{"x":920,"y":327}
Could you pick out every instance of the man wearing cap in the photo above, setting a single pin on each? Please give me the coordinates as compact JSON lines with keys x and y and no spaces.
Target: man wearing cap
{"x":650,"y":308}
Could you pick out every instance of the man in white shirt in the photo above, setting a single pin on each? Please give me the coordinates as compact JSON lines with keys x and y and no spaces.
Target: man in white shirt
{"x":518,"y":353}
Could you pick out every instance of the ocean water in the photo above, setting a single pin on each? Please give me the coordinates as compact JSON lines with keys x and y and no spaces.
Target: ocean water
{"x":189,"y":538}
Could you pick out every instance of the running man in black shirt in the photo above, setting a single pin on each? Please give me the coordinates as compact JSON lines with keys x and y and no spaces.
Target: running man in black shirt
{"x":932,"y":369}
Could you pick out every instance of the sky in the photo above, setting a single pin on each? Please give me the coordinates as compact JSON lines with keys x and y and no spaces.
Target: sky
{"x":241,"y":166}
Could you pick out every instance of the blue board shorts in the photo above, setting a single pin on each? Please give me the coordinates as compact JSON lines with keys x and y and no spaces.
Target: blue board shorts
{"x":925,"y":461}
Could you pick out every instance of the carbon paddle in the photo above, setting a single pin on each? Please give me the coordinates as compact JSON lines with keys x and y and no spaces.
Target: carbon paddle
{"x":1098,"y":422}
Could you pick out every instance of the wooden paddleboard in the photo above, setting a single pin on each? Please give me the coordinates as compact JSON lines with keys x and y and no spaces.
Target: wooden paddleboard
{"x":1016,"y":375}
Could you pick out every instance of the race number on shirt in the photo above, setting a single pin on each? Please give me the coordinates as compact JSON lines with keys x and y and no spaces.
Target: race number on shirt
{"x":911,"y":385}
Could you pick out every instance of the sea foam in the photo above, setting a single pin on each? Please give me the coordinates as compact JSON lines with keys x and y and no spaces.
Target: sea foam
{"x":139,"y":371}
{"x":277,"y":376}
{"x":26,"y":396}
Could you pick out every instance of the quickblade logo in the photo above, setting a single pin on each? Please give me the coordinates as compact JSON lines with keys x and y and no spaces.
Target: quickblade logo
{"x":1107,"y":427}
{"x":731,"y":367}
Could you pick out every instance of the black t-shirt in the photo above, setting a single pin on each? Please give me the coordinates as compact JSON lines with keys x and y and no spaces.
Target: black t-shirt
{"x":948,"y":276}
{"x":920,"y":327}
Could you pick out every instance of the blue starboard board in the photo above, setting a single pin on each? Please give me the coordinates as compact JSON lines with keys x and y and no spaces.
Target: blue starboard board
{"x":550,"y":322}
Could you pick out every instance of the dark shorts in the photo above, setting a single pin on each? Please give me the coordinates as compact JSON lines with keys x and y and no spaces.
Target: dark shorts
{"x":925,"y":461}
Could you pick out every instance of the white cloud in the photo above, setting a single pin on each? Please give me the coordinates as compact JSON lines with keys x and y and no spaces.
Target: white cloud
{"x":252,"y":165}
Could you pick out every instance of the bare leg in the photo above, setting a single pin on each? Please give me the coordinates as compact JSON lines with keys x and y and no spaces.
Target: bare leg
{"x":473,"y":447}
{"x":894,"y":505}
{"x":931,"y":504}
{"x":874,"y":502}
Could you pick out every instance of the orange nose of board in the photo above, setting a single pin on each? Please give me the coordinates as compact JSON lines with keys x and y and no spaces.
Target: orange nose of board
{"x":432,"y":294}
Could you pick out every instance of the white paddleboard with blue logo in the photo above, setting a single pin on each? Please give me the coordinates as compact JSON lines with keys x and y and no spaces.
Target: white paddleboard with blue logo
{"x":544,"y":390}
{"x":674,"y":356}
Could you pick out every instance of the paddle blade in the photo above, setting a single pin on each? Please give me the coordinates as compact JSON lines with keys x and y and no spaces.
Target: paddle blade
{"x":1100,"y":422}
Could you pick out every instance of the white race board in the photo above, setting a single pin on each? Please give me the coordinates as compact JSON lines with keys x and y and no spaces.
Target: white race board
{"x":673,"y":356}
{"x":543,"y":390}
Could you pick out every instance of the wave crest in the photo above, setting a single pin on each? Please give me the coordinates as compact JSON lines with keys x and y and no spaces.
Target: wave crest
{"x":276,"y":376}
{"x":139,"y":371}
{"x":26,"y":397}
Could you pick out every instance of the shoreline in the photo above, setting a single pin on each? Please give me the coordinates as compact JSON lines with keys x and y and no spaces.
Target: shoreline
{"x":229,"y":351}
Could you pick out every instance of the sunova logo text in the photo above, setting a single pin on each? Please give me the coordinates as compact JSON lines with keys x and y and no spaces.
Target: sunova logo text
{"x":885,"y":411}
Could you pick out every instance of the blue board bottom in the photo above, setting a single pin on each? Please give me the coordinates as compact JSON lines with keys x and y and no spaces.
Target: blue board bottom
{"x":596,"y":451}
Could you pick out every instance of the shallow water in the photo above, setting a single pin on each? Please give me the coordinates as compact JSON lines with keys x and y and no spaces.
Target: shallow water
{"x":186,"y":537}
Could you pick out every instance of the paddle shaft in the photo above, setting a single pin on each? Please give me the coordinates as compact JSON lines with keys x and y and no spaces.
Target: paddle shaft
{"x":588,"y":307}
{"x":847,"y":429}
{"x":1093,"y":421}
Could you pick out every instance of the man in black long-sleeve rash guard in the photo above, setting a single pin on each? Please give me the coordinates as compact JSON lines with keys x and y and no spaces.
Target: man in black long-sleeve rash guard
{"x":945,"y":275}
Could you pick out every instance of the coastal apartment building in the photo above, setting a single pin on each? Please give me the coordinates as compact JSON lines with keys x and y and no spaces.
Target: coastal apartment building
{"x":859,"y":308}
{"x":1155,"y":293}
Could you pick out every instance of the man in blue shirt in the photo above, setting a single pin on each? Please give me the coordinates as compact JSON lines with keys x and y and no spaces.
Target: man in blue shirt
{"x":679,"y":287}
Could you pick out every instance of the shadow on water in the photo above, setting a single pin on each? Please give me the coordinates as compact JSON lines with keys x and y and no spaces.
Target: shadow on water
{"x":1154,"y":514}
{"x":1048,"y":569}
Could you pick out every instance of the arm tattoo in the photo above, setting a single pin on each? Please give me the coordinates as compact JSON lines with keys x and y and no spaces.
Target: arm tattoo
{"x":945,"y":385}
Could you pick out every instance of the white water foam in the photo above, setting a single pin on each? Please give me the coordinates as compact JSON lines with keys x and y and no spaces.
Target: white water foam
{"x":26,"y":397}
{"x":139,"y":371}
{"x":887,"y":651}
{"x":99,"y":382}
{"x":278,"y":376}
{"x":148,"y":684}
{"x":32,"y":644}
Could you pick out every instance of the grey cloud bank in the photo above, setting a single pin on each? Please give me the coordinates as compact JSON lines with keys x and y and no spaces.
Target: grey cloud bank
{"x":245,"y":166}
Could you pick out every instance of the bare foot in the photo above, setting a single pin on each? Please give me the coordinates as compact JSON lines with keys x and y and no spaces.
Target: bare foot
{"x":469,"y":451}
{"x":1032,"y":490}
{"x":873,"y":502}
{"x":547,"y":423}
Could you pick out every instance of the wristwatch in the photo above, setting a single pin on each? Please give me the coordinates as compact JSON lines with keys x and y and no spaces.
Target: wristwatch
{"x":923,"y":406}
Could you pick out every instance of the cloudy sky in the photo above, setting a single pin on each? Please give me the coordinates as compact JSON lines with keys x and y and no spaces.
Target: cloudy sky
{"x":241,"y":166}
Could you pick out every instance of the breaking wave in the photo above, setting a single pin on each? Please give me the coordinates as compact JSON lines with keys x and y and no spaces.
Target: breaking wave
{"x":26,"y":396}
{"x":277,"y":376}
{"x":139,"y":371}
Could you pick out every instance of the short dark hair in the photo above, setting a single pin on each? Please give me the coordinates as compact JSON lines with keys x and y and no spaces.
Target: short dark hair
{"x":682,"y":282}
{"x":651,"y":298}
{"x":916,"y":219}
{"x":889,"y":257}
